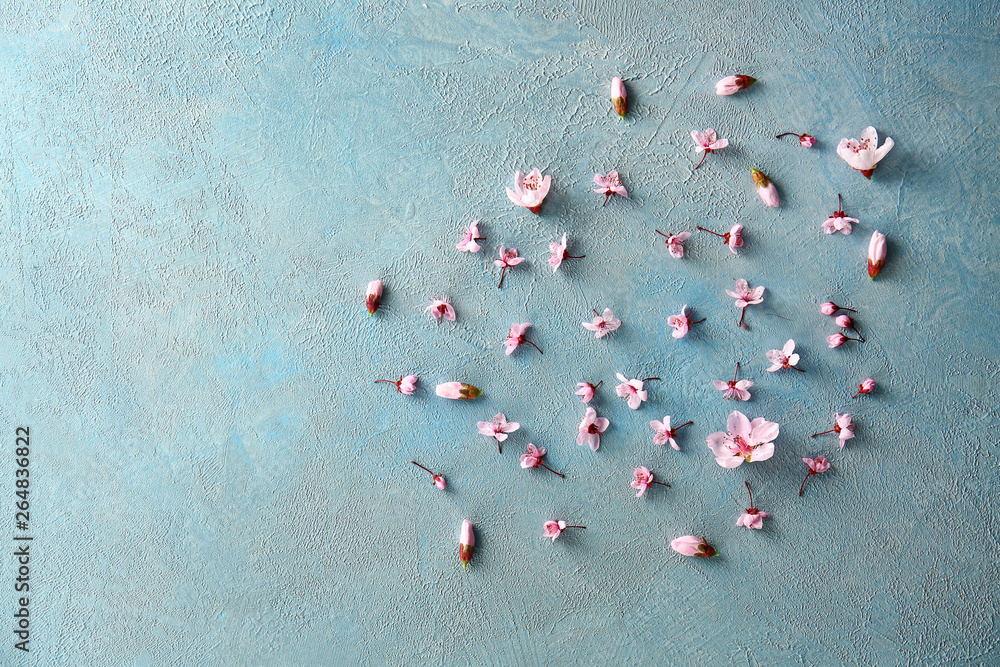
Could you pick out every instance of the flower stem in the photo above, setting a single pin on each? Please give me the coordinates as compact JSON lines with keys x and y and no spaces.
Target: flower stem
{"x":389,"y":381}
{"x":584,"y":527}
{"x":648,"y":379}
{"x":840,"y":207}
{"x":823,"y":433}
{"x":784,"y":134}
{"x":736,"y":372}
{"x":857,"y":394}
{"x":660,"y":483}
{"x":801,"y":370}
{"x":499,"y":446}
{"x":573,"y":257}
{"x":721,"y":236}
{"x":607,"y":196}
{"x":534,"y":346}
{"x":677,"y":428}
{"x":421,"y":467}
{"x":551,"y":470}
{"x":503,"y":272}
{"x":661,"y":233}
{"x":699,"y":321}
{"x":749,"y":491}
{"x":743,"y":311}
{"x":704,"y":155}
{"x":808,"y":475}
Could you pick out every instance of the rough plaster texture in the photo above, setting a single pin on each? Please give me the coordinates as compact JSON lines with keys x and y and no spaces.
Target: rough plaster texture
{"x":194,"y":195}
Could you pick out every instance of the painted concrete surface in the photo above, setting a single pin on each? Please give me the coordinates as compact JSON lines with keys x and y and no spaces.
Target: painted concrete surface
{"x":195,"y":194}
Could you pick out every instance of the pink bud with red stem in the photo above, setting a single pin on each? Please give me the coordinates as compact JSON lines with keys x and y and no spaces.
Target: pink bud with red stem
{"x":585,"y":390}
{"x":752,"y":517}
{"x":404,"y":385}
{"x":437,"y":480}
{"x":532,"y":458}
{"x":555,"y":528}
{"x":845,"y":322}
{"x":866,"y":387}
{"x":733,"y":238}
{"x":805,"y":140}
{"x":373,"y":296}
{"x":830,"y":308}
{"x":643,"y":478}
{"x":817,"y":465}
{"x":838,"y":339}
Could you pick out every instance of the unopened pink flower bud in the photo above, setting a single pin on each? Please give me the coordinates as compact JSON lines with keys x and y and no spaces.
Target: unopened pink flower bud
{"x":466,"y":543}
{"x":765,"y":188}
{"x":844,"y":321}
{"x":828,"y":308}
{"x":835,"y":340}
{"x":619,"y":98}
{"x":876,"y":254}
{"x":439,"y":481}
{"x":374,"y":296}
{"x":733,"y":84}
{"x":457,"y":390}
{"x":689,"y":545}
{"x":867,"y":386}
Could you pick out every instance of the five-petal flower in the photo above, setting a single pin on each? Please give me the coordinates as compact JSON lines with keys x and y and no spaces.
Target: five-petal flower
{"x":745,"y":440}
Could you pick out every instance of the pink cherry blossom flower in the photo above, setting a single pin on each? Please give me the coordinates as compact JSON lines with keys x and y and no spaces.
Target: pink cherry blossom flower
{"x":675,"y":242}
{"x":532,"y":458}
{"x":817,"y":465}
{"x":838,"y":339}
{"x":602,"y":324}
{"x":707,"y":142}
{"x":847,"y":322}
{"x":662,"y":433}
{"x":784,"y":358}
{"x":466,"y":543}
{"x":830,"y":308}
{"x":734,"y":84}
{"x":632,"y":391}
{"x":457,"y":391}
{"x":404,"y":385}
{"x":876,"y":254}
{"x":555,"y":528}
{"x":843,"y":426}
{"x":619,"y":98}
{"x":689,"y":545}
{"x":682,"y":323}
{"x":529,"y":191}
{"x":590,"y":429}
{"x":733,"y":238}
{"x":765,"y":188}
{"x":559,"y":254}
{"x":373,"y":296}
{"x":805,"y":140}
{"x":436,"y":479}
{"x":866,"y":387}
{"x":609,"y":186}
{"x":753,"y":517}
{"x":498,"y":428}
{"x":585,"y":390}
{"x":517,"y":335}
{"x":745,"y":297}
{"x":441,"y":309}
{"x":643,"y":478}
{"x":469,"y":238}
{"x":745,"y":441}
{"x":839,"y":222}
{"x":508,"y":258}
{"x":863,"y":155}
{"x":733,"y":390}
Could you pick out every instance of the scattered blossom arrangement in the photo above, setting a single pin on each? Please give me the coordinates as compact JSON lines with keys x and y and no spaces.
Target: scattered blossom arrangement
{"x":744,"y":440}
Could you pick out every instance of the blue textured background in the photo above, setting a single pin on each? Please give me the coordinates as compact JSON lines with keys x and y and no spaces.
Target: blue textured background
{"x":194,"y":195}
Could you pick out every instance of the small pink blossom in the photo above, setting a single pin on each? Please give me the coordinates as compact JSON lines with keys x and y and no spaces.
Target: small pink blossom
{"x":734,"y":389}
{"x":558,"y":254}
{"x":643,"y":478}
{"x":404,"y":385}
{"x":457,"y":391}
{"x":590,"y":429}
{"x":838,"y":339}
{"x":675,"y":242}
{"x":619,"y":98}
{"x":838,"y":222}
{"x":816,"y":466}
{"x":436,"y":479}
{"x":498,"y":428}
{"x":733,"y":84}
{"x":864,"y":155}
{"x":707,"y":142}
{"x":529,"y":191}
{"x":784,"y":358}
{"x":609,"y":186}
{"x":689,"y":545}
{"x":753,"y":517}
{"x":517,"y":335}
{"x":765,"y":188}
{"x":745,"y":296}
{"x":585,"y":390}
{"x":602,"y":324}
{"x":847,"y":322}
{"x":469,"y":238}
{"x":682,"y":323}
{"x":532,"y":458}
{"x":441,"y":309}
{"x":508,"y":258}
{"x":866,"y":387}
{"x":830,"y":308}
{"x":662,"y":433}
{"x":733,"y":238}
{"x":466,"y":543}
{"x":843,"y":426}
{"x":876,"y":254}
{"x":745,"y":440}
{"x":632,"y":391}
{"x":554,"y":529}
{"x":373,"y":296}
{"x":805,"y":140}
